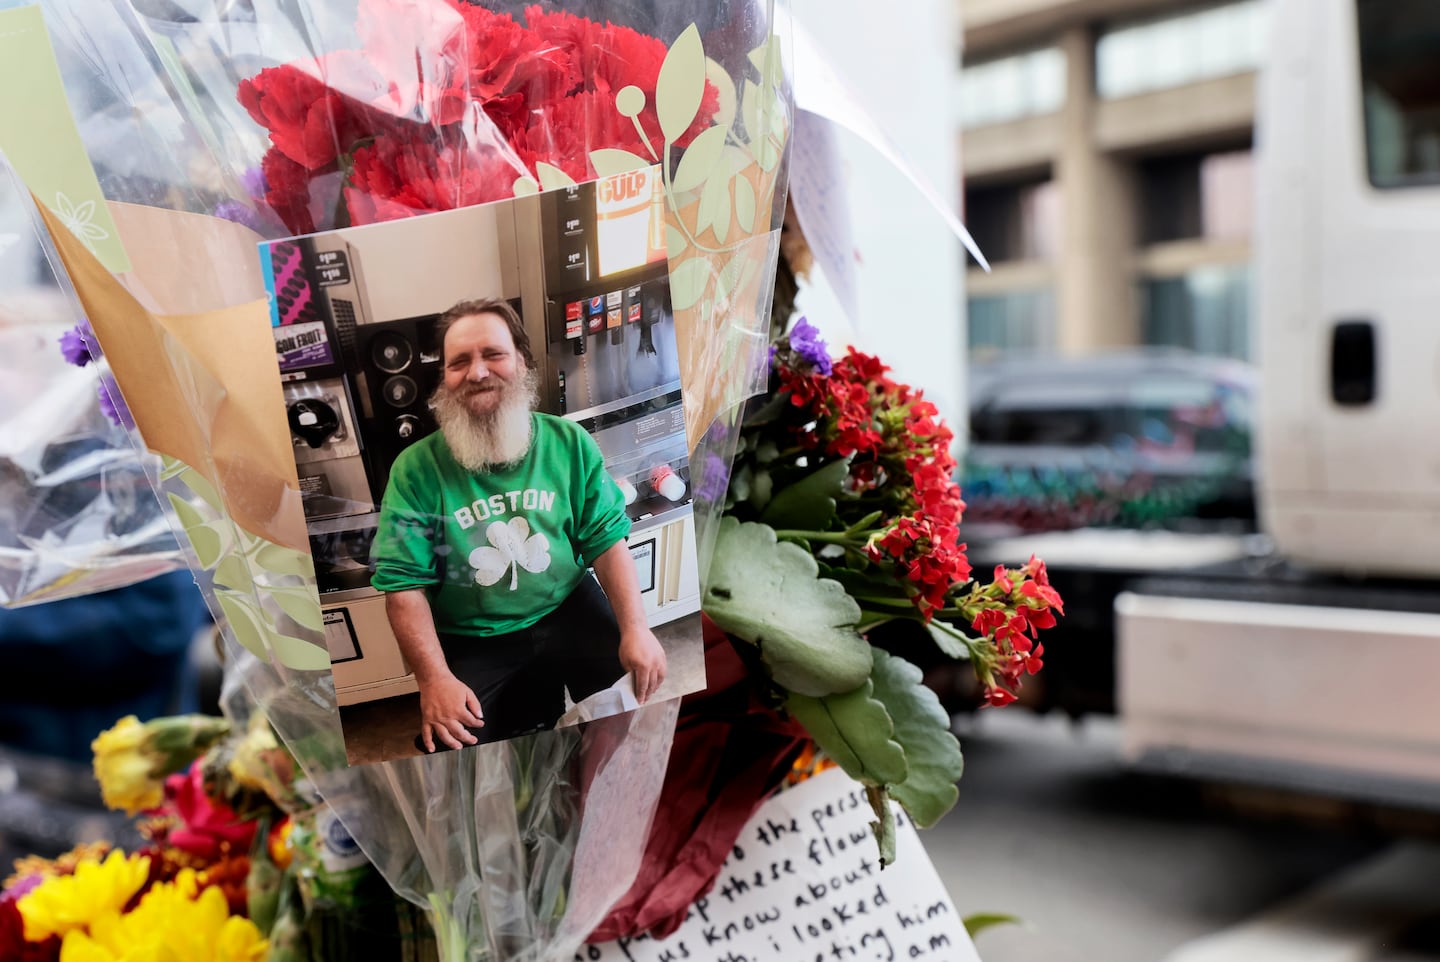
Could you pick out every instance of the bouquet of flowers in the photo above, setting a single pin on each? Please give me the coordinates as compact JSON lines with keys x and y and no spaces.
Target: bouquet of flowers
{"x":498,"y":107}
{"x":240,"y":863}
{"x":840,"y":514}
{"x":397,"y":108}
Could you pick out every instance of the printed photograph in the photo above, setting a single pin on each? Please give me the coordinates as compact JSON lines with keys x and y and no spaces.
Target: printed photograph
{"x":486,"y":413}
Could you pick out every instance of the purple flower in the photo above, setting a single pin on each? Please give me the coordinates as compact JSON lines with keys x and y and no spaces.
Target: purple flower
{"x":713,"y":480}
{"x":112,"y":404}
{"x":805,"y":341}
{"x":233,"y":210}
{"x":21,"y":887}
{"x":253,"y":180}
{"x":75,"y":344}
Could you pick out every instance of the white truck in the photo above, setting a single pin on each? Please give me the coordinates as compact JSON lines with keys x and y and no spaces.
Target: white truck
{"x":1318,"y":667}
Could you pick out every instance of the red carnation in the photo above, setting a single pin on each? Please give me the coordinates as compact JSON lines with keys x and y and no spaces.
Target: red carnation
{"x":308,"y":121}
{"x":287,"y":190}
{"x":400,"y":176}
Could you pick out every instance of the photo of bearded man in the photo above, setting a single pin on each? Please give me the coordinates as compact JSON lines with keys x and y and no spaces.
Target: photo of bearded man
{"x":487,"y":534}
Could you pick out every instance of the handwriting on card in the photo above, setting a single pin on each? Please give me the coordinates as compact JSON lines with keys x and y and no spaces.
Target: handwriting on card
{"x":803,"y":884}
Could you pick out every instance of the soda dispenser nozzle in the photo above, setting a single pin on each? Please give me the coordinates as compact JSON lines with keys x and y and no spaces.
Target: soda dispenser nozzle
{"x":670,"y":485}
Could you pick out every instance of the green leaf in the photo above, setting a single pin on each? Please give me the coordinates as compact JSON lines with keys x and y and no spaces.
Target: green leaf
{"x":609,"y":160}
{"x":700,"y":159}
{"x":210,"y":539}
{"x":922,"y":727}
{"x":809,"y":504}
{"x":681,"y":84}
{"x":766,"y":593}
{"x":232,"y":572}
{"x":750,"y":113}
{"x":185,"y":511}
{"x":245,"y":622}
{"x":766,"y":58}
{"x":740,"y":482}
{"x":170,"y":467}
{"x":299,"y":654}
{"x":720,"y":221}
{"x":947,"y":642}
{"x":762,"y":414}
{"x":301,"y":603}
{"x":980,"y":921}
{"x":714,"y":205}
{"x":280,"y":560}
{"x":687,"y":283}
{"x":769,"y":154}
{"x":552,"y":177}
{"x":853,"y":728}
{"x":202,"y":487}
{"x":866,"y":522}
{"x":762,"y":488}
{"x":745,"y":204}
{"x":675,"y":242}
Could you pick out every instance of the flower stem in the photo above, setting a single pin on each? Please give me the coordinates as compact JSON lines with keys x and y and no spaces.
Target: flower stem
{"x":828,"y":537}
{"x":884,"y":602}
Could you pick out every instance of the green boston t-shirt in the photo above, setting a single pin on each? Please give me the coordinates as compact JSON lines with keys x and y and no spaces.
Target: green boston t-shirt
{"x":497,"y":550}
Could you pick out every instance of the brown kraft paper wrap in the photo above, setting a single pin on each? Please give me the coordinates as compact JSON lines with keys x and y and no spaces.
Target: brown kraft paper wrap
{"x":202,"y":387}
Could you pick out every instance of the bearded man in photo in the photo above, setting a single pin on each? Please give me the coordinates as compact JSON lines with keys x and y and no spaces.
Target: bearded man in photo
{"x":486,"y":531}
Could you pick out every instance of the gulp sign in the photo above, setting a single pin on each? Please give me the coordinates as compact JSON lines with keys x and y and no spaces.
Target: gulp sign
{"x":622,"y":194}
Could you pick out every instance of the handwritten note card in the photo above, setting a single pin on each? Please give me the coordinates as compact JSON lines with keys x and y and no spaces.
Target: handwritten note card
{"x":803,"y":884}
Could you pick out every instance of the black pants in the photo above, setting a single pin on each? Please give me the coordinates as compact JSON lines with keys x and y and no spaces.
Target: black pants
{"x":521,"y":677}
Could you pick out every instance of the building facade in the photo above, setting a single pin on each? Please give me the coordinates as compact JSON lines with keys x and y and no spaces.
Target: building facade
{"x":1106,"y":148}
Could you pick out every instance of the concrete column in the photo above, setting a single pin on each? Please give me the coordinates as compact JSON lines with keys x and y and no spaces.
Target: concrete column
{"x":1096,"y":302}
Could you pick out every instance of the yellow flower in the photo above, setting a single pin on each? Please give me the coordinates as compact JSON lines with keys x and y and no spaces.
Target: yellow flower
{"x":171,"y":924}
{"x":123,"y":767}
{"x":132,"y":759}
{"x":29,"y":865}
{"x":68,"y":902}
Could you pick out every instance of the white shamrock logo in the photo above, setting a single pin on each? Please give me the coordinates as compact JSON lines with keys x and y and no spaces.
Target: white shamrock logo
{"x":514,"y":548}
{"x":79,"y":220}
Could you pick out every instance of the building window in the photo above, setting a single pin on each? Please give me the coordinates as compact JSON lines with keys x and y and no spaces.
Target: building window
{"x":1012,"y":321}
{"x":1206,"y":310}
{"x":1399,"y":48}
{"x":1015,"y":222}
{"x":1197,"y":196}
{"x":1010,"y":88}
{"x":1180,"y":49}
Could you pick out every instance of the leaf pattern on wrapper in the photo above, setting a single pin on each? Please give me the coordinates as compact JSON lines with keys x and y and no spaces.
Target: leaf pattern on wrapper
{"x":255,"y":611}
{"x":513,"y":548}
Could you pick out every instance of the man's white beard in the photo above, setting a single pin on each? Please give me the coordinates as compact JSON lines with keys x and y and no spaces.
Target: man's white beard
{"x":480,"y":442}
